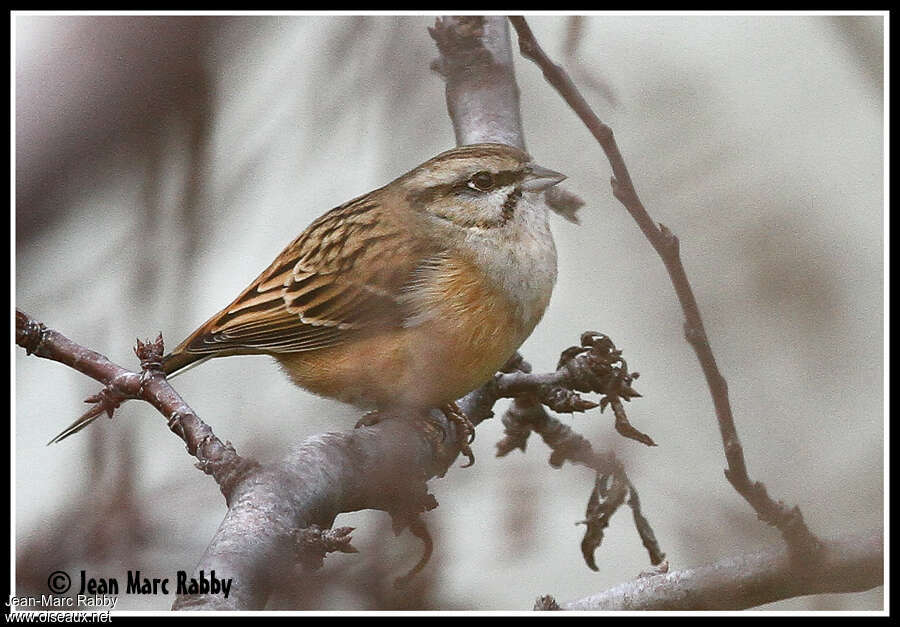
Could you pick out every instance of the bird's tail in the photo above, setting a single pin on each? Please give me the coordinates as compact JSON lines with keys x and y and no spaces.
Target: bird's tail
{"x":173,"y":364}
{"x":178,"y":362}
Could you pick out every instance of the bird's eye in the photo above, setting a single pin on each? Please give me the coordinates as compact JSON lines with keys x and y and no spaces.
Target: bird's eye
{"x":482,"y":181}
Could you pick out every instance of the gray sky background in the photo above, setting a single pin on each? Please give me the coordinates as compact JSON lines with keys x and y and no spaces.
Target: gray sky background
{"x":163,"y":162}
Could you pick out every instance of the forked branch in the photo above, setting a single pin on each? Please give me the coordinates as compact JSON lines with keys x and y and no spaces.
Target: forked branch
{"x":214,"y":457}
{"x":385,"y":466}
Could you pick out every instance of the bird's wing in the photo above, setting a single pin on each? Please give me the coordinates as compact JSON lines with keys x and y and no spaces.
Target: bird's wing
{"x":344,"y":274}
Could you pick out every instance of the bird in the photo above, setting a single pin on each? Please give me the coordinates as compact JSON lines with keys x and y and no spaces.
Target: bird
{"x":409,"y":296}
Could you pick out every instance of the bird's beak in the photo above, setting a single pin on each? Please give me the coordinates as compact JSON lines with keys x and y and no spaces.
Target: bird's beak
{"x":538,"y":179}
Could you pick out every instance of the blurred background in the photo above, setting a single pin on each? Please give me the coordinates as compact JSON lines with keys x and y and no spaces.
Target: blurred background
{"x":163,"y":161}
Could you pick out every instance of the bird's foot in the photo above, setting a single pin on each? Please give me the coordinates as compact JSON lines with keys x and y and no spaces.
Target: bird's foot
{"x":464,"y":428}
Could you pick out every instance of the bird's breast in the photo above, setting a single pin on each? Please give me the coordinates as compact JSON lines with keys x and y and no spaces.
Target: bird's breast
{"x":469,"y":309}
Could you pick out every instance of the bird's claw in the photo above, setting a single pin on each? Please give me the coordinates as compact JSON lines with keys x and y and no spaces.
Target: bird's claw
{"x":465,"y":429}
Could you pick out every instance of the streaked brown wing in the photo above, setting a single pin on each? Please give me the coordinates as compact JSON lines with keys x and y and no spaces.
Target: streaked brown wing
{"x":344,"y":274}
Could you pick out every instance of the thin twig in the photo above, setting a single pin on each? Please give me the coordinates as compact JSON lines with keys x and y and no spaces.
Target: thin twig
{"x":214,"y":457}
{"x":594,"y":366}
{"x":788,"y":520}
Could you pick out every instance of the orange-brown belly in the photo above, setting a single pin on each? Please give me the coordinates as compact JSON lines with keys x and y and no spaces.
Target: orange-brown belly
{"x":425,"y":366}
{"x":462,"y":330}
{"x":466,"y":334}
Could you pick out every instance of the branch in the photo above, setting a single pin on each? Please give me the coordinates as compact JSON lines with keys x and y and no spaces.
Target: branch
{"x":385,"y":467}
{"x":788,"y":520}
{"x":381,"y":467}
{"x":214,"y":457}
{"x":612,"y":485}
{"x":482,"y":95}
{"x":852,"y":563}
{"x":476,"y":63}
{"x":595,"y":366}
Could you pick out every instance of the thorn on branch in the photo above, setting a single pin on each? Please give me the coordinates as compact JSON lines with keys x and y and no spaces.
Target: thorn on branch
{"x":101,"y":406}
{"x":106,"y":400}
{"x":564,"y":401}
{"x":150,"y":353}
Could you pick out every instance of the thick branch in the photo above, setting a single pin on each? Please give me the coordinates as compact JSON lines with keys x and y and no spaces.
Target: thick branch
{"x":382,"y":467}
{"x":788,"y":520}
{"x":853,"y":563}
{"x":482,"y":95}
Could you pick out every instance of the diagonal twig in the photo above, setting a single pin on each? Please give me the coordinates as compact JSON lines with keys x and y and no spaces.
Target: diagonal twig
{"x":788,"y":520}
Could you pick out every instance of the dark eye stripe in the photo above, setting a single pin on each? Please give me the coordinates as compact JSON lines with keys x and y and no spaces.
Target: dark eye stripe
{"x":508,"y":177}
{"x":501,"y":179}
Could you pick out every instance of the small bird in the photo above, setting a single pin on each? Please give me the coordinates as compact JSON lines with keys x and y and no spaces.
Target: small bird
{"x":409,"y":296}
